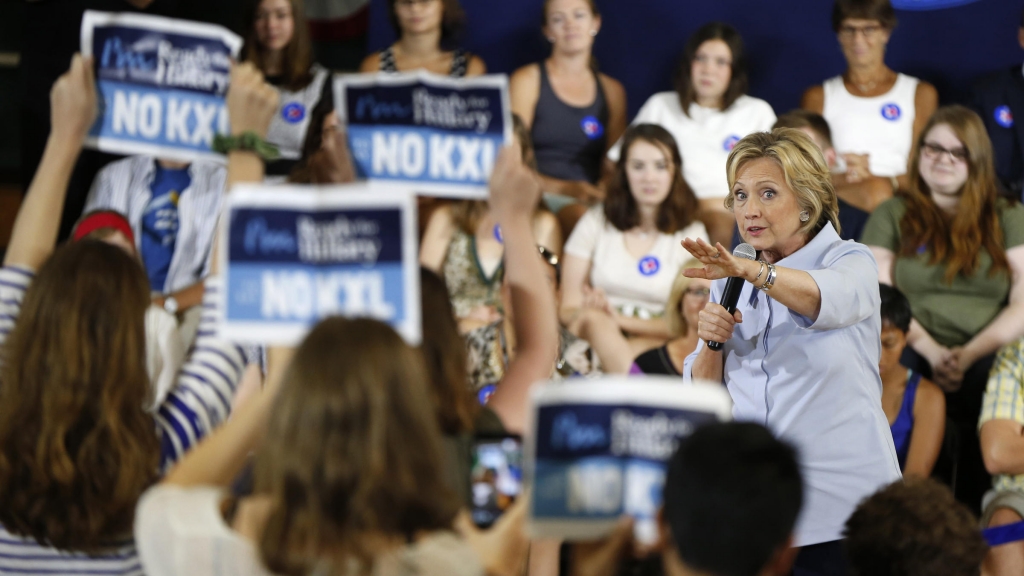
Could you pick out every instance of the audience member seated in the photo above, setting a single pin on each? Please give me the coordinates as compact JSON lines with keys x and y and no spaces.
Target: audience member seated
{"x":574,"y":111}
{"x":915,"y":407}
{"x":685,"y":301}
{"x":851,"y":219}
{"x":427,"y":31}
{"x":956,"y":250}
{"x":1002,"y":446}
{"x":731,"y":498}
{"x":707,"y":113}
{"x":913,"y":527}
{"x":172,"y":208}
{"x":622,"y":258}
{"x":278,"y":45}
{"x":998,"y":99}
{"x":165,"y":344}
{"x":875,"y":113}
{"x":77,"y":447}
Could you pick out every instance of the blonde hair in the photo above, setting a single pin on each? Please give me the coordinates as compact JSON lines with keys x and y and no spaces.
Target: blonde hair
{"x":803,"y":166}
{"x":674,"y":317}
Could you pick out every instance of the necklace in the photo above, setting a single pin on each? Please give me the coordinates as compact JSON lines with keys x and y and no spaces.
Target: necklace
{"x":868,"y":86}
{"x":642,"y":234}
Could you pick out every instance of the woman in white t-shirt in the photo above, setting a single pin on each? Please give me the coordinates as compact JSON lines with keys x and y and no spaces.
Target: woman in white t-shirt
{"x":622,"y":257}
{"x":875,"y":113}
{"x":708,"y":113}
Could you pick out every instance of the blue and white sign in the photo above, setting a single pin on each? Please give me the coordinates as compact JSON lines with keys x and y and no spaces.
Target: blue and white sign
{"x":293,"y":256}
{"x":432,"y":134}
{"x":598,"y":450}
{"x":928,"y":4}
{"x":160,"y":84}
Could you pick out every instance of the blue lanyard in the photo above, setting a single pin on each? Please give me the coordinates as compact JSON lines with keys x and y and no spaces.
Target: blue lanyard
{"x":1004,"y":534}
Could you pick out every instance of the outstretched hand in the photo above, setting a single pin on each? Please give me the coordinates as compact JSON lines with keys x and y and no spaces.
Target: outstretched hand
{"x":717,"y":261}
{"x":73,"y":102}
{"x":515,"y":189}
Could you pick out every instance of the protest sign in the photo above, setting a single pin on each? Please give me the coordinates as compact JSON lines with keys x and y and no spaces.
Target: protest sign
{"x":160,"y":84}
{"x":427,"y":133}
{"x":292,"y":255}
{"x":598,"y":449}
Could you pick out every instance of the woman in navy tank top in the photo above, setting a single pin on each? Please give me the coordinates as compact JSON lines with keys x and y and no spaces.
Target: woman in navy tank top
{"x":426,"y":32}
{"x":915,"y":407}
{"x":574,"y":112}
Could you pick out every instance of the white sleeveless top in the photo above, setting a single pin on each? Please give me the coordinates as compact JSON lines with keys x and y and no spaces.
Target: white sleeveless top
{"x":705,"y":136}
{"x":288,"y":127}
{"x":880,"y":126}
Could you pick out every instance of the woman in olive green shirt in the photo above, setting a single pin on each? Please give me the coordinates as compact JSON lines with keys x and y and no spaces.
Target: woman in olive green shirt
{"x":956,"y":249}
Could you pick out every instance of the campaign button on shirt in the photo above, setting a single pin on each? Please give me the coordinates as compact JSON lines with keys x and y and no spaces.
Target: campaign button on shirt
{"x":729,"y":143}
{"x":497,"y":234}
{"x":649,"y":265}
{"x":1003,"y":116}
{"x":485,"y":393}
{"x":592,"y":127}
{"x":293,"y":112}
{"x":891,"y":111}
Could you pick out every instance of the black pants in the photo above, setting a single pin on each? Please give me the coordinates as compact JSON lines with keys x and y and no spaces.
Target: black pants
{"x":960,"y":460}
{"x":824,"y":559}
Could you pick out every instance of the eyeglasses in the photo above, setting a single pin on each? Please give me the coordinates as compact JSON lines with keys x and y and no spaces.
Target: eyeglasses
{"x":698,"y":292}
{"x":869,"y":31}
{"x":411,"y":3}
{"x":933,"y":151}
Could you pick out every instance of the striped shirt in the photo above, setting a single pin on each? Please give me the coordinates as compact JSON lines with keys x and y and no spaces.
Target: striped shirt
{"x":198,"y":403}
{"x":1004,"y":400}
{"x":124,"y":186}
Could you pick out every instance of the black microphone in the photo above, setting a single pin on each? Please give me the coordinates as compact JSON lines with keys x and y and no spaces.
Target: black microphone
{"x":731,"y":295}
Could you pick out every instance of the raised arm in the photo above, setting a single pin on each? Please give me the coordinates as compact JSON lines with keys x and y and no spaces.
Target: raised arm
{"x":72,"y":113}
{"x":514,"y":195}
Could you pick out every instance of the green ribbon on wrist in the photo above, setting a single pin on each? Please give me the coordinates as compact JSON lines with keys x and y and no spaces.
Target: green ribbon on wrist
{"x":247,"y":142}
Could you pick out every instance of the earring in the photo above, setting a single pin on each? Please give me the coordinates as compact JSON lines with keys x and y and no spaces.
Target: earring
{"x":804,"y":216}
{"x":593,"y":32}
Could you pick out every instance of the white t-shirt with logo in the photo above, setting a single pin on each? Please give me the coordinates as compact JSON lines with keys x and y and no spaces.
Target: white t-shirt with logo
{"x":705,"y":137}
{"x":880,"y":126}
{"x":628,"y":281}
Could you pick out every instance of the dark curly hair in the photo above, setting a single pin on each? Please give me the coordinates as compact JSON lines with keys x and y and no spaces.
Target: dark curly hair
{"x":914,"y":527}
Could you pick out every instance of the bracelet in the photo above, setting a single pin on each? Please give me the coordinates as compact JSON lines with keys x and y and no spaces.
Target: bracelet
{"x":246,"y":141}
{"x":769,"y":280}
{"x":759,"y":272}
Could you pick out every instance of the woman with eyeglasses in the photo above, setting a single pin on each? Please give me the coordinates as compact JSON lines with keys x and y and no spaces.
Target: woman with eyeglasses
{"x":956,"y":250}
{"x":687,"y":299}
{"x":875,"y":113}
{"x":622,"y":258}
{"x":426,"y":31}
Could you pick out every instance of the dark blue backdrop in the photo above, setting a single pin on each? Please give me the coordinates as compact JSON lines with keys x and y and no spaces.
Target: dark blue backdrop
{"x":790,"y":43}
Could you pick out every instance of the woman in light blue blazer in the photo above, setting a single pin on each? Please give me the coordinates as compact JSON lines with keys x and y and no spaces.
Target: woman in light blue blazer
{"x":801,"y":352}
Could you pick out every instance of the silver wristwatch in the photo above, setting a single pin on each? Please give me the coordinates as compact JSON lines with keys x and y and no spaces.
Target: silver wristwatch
{"x":171,"y":305}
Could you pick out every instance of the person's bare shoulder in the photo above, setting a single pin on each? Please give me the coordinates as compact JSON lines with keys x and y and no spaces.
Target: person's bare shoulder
{"x":371,"y":63}
{"x":814,"y":99}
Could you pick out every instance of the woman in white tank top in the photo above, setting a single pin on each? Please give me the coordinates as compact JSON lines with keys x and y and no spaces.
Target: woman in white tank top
{"x":874,"y":113}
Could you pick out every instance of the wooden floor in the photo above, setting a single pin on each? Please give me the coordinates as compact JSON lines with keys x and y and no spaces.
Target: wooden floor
{"x":10,"y":199}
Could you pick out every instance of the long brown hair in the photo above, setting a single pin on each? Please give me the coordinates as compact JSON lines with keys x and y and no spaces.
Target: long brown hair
{"x":352,"y":450}
{"x":444,"y":353}
{"x":76,"y":446}
{"x":956,"y":241}
{"x":298,"y":54}
{"x":680,"y":206}
{"x":737,"y":79}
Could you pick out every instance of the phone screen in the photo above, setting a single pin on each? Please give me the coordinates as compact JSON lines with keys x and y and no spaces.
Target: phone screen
{"x":496,"y":476}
